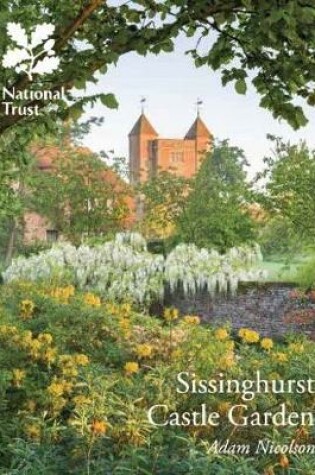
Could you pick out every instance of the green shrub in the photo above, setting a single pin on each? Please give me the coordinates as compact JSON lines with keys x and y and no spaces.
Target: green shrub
{"x":276,"y":238}
{"x":305,"y":274}
{"x":79,"y":375}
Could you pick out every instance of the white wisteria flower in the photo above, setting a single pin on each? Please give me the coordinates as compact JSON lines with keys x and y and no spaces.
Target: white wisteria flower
{"x":24,"y":58}
{"x":124,"y":269}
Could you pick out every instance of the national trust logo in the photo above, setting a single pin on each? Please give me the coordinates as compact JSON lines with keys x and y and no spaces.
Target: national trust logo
{"x":32,"y":54}
{"x":25,"y":56}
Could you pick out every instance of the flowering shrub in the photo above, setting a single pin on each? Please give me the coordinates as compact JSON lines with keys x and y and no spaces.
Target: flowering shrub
{"x":77,"y":380}
{"x":124,"y":269}
{"x":198,"y":269}
{"x":248,"y":335}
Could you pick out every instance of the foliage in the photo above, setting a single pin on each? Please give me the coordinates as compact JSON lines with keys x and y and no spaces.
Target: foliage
{"x":277,"y":238}
{"x":79,"y":375}
{"x":290,"y":193}
{"x":79,"y":195}
{"x":164,"y":197}
{"x":215,"y":214}
{"x":123,"y":268}
{"x":272,"y":43}
{"x":35,"y":247}
{"x":305,"y":273}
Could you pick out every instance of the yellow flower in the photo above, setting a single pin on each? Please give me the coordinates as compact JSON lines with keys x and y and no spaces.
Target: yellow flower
{"x":81,"y":360}
{"x":70,"y":290}
{"x":58,"y":404}
{"x":67,"y":387}
{"x":176,"y":353}
{"x":125,"y":310}
{"x":8,"y":330}
{"x":26,"y":340}
{"x":56,"y":389}
{"x":34,"y":348}
{"x":274,"y":375}
{"x":124,"y":324}
{"x":49,"y":356}
{"x":92,"y":300}
{"x":171,"y":314}
{"x":27,"y":309}
{"x":66,"y":360}
{"x":144,"y":351}
{"x":280,"y":357}
{"x":45,"y":338}
{"x":221,"y":334}
{"x":296,"y":347}
{"x":70,"y":372}
{"x":131,"y":367}
{"x":226,"y":362}
{"x":284,"y":461}
{"x":99,"y":427}
{"x":62,"y":294}
{"x":191,"y":320}
{"x":81,"y":400}
{"x":242,"y":332}
{"x":33,"y":431}
{"x":17,"y":376}
{"x":112,"y":308}
{"x":224,"y":407}
{"x":230,"y":345}
{"x":266,"y":343}
{"x":248,"y":336}
{"x":256,"y":364}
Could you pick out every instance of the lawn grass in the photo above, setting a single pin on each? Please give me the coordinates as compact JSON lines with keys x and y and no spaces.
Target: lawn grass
{"x":285,"y":268}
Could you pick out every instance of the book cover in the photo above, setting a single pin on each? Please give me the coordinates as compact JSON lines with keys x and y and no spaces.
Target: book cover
{"x":157,"y":294}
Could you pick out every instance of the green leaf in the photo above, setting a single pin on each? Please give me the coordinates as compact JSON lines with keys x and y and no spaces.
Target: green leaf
{"x":76,"y":111}
{"x":80,"y":84}
{"x":109,"y":100}
{"x":240,"y":86}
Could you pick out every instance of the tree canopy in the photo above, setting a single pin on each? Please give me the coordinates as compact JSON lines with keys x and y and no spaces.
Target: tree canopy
{"x":216,"y":213}
{"x":289,"y":192}
{"x":164,"y":197}
{"x":269,"y":43}
{"x":79,"y":194}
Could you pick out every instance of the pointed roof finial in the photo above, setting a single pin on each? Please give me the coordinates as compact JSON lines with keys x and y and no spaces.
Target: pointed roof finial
{"x":199,"y":103}
{"x":143,"y":103}
{"x":143,"y":126}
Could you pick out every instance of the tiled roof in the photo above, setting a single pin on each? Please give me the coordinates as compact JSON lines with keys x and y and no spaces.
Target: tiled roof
{"x":198,"y":129}
{"x":143,"y":126}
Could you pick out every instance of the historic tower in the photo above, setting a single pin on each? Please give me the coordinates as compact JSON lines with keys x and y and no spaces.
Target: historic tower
{"x":149,"y":154}
{"x":141,"y":138}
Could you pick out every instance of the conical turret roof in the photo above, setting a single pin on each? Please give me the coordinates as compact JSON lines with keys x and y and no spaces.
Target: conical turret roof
{"x":143,"y":126}
{"x":198,"y":129}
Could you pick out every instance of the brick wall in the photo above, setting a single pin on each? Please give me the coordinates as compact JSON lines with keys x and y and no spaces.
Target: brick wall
{"x":266,"y":308}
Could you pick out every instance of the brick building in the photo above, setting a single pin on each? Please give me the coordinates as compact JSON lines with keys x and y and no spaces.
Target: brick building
{"x":148,"y":153}
{"x":37,"y":227}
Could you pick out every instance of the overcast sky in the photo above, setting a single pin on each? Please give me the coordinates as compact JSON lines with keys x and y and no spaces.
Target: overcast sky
{"x":172,"y":84}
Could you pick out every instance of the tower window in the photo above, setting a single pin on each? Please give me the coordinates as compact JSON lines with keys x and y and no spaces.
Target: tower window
{"x":177,"y":157}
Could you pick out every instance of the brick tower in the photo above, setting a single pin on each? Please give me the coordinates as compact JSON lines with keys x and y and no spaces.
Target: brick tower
{"x":203,"y":139}
{"x":141,"y":138}
{"x":149,"y":154}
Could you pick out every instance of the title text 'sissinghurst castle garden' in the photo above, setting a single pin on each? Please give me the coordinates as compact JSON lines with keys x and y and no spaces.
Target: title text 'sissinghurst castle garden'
{"x":148,"y":154}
